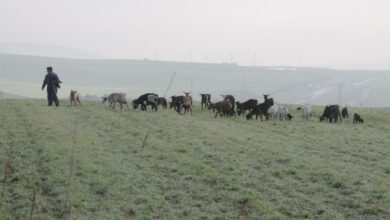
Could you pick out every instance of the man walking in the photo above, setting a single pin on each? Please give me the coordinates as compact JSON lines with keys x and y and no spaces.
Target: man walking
{"x":52,"y":82}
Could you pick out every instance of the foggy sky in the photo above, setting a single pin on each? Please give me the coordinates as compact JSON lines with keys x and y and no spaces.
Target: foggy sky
{"x":279,"y":32}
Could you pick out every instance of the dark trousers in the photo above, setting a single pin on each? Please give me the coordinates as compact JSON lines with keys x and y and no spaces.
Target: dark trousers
{"x":52,"y":97}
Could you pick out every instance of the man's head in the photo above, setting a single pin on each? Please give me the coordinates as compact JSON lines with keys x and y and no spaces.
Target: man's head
{"x":49,"y":69}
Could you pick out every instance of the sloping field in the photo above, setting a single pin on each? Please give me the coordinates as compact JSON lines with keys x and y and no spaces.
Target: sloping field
{"x":95,"y":163}
{"x":23,"y":75}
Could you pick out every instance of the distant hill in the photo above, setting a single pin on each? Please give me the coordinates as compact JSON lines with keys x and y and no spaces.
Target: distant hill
{"x":23,"y":75}
{"x":4,"y":95}
{"x":91,"y":97}
{"x":45,"y":50}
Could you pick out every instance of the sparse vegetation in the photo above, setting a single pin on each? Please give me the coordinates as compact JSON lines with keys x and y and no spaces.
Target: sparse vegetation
{"x":123,"y":164}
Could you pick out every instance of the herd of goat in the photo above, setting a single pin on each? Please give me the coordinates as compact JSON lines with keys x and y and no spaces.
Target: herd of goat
{"x":229,"y":107}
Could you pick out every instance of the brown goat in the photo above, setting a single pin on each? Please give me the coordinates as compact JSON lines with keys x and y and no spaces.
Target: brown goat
{"x":223,"y":108}
{"x":232,"y":101}
{"x":187,"y":105}
{"x":187,"y":94}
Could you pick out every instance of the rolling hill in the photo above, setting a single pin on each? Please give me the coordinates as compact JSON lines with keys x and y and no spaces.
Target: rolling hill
{"x":4,"y":95}
{"x":23,"y":75}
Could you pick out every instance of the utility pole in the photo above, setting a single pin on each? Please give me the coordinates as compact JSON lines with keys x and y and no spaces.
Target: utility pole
{"x":170,"y":83}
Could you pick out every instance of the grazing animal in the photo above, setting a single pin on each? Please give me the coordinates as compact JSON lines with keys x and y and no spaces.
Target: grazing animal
{"x":187,"y":94}
{"x":114,"y":98}
{"x":357,"y":119}
{"x":205,"y":100}
{"x":223,"y":108}
{"x":283,"y":113}
{"x":145,"y":100}
{"x":162,"y":101}
{"x":180,"y":102}
{"x":173,"y":103}
{"x":306,"y":111}
{"x":344,"y":112}
{"x":268,"y":101}
{"x":74,"y":98}
{"x":105,"y":98}
{"x":326,"y":114}
{"x":152,"y":101}
{"x":232,"y":101}
{"x":331,"y":113}
{"x":273,"y":111}
{"x":187,"y":104}
{"x":261,"y":109}
{"x":278,"y":111}
{"x":248,"y":105}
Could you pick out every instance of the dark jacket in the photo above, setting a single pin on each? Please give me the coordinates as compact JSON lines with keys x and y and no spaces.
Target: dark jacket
{"x":52,"y":81}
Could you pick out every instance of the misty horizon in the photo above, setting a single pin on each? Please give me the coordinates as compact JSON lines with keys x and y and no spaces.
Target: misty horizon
{"x":335,"y":34}
{"x":54,"y":51}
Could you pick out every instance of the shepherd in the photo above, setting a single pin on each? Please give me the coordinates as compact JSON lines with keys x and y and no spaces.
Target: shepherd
{"x":53,"y":83}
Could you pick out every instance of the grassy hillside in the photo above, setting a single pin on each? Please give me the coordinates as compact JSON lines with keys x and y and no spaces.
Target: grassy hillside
{"x":95,"y":163}
{"x":23,"y":75}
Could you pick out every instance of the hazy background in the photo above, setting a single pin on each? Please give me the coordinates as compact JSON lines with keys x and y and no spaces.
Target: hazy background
{"x":247,"y":48}
{"x":332,"y":33}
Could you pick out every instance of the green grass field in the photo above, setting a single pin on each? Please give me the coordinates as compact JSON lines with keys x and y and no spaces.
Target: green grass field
{"x":91,"y":162}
